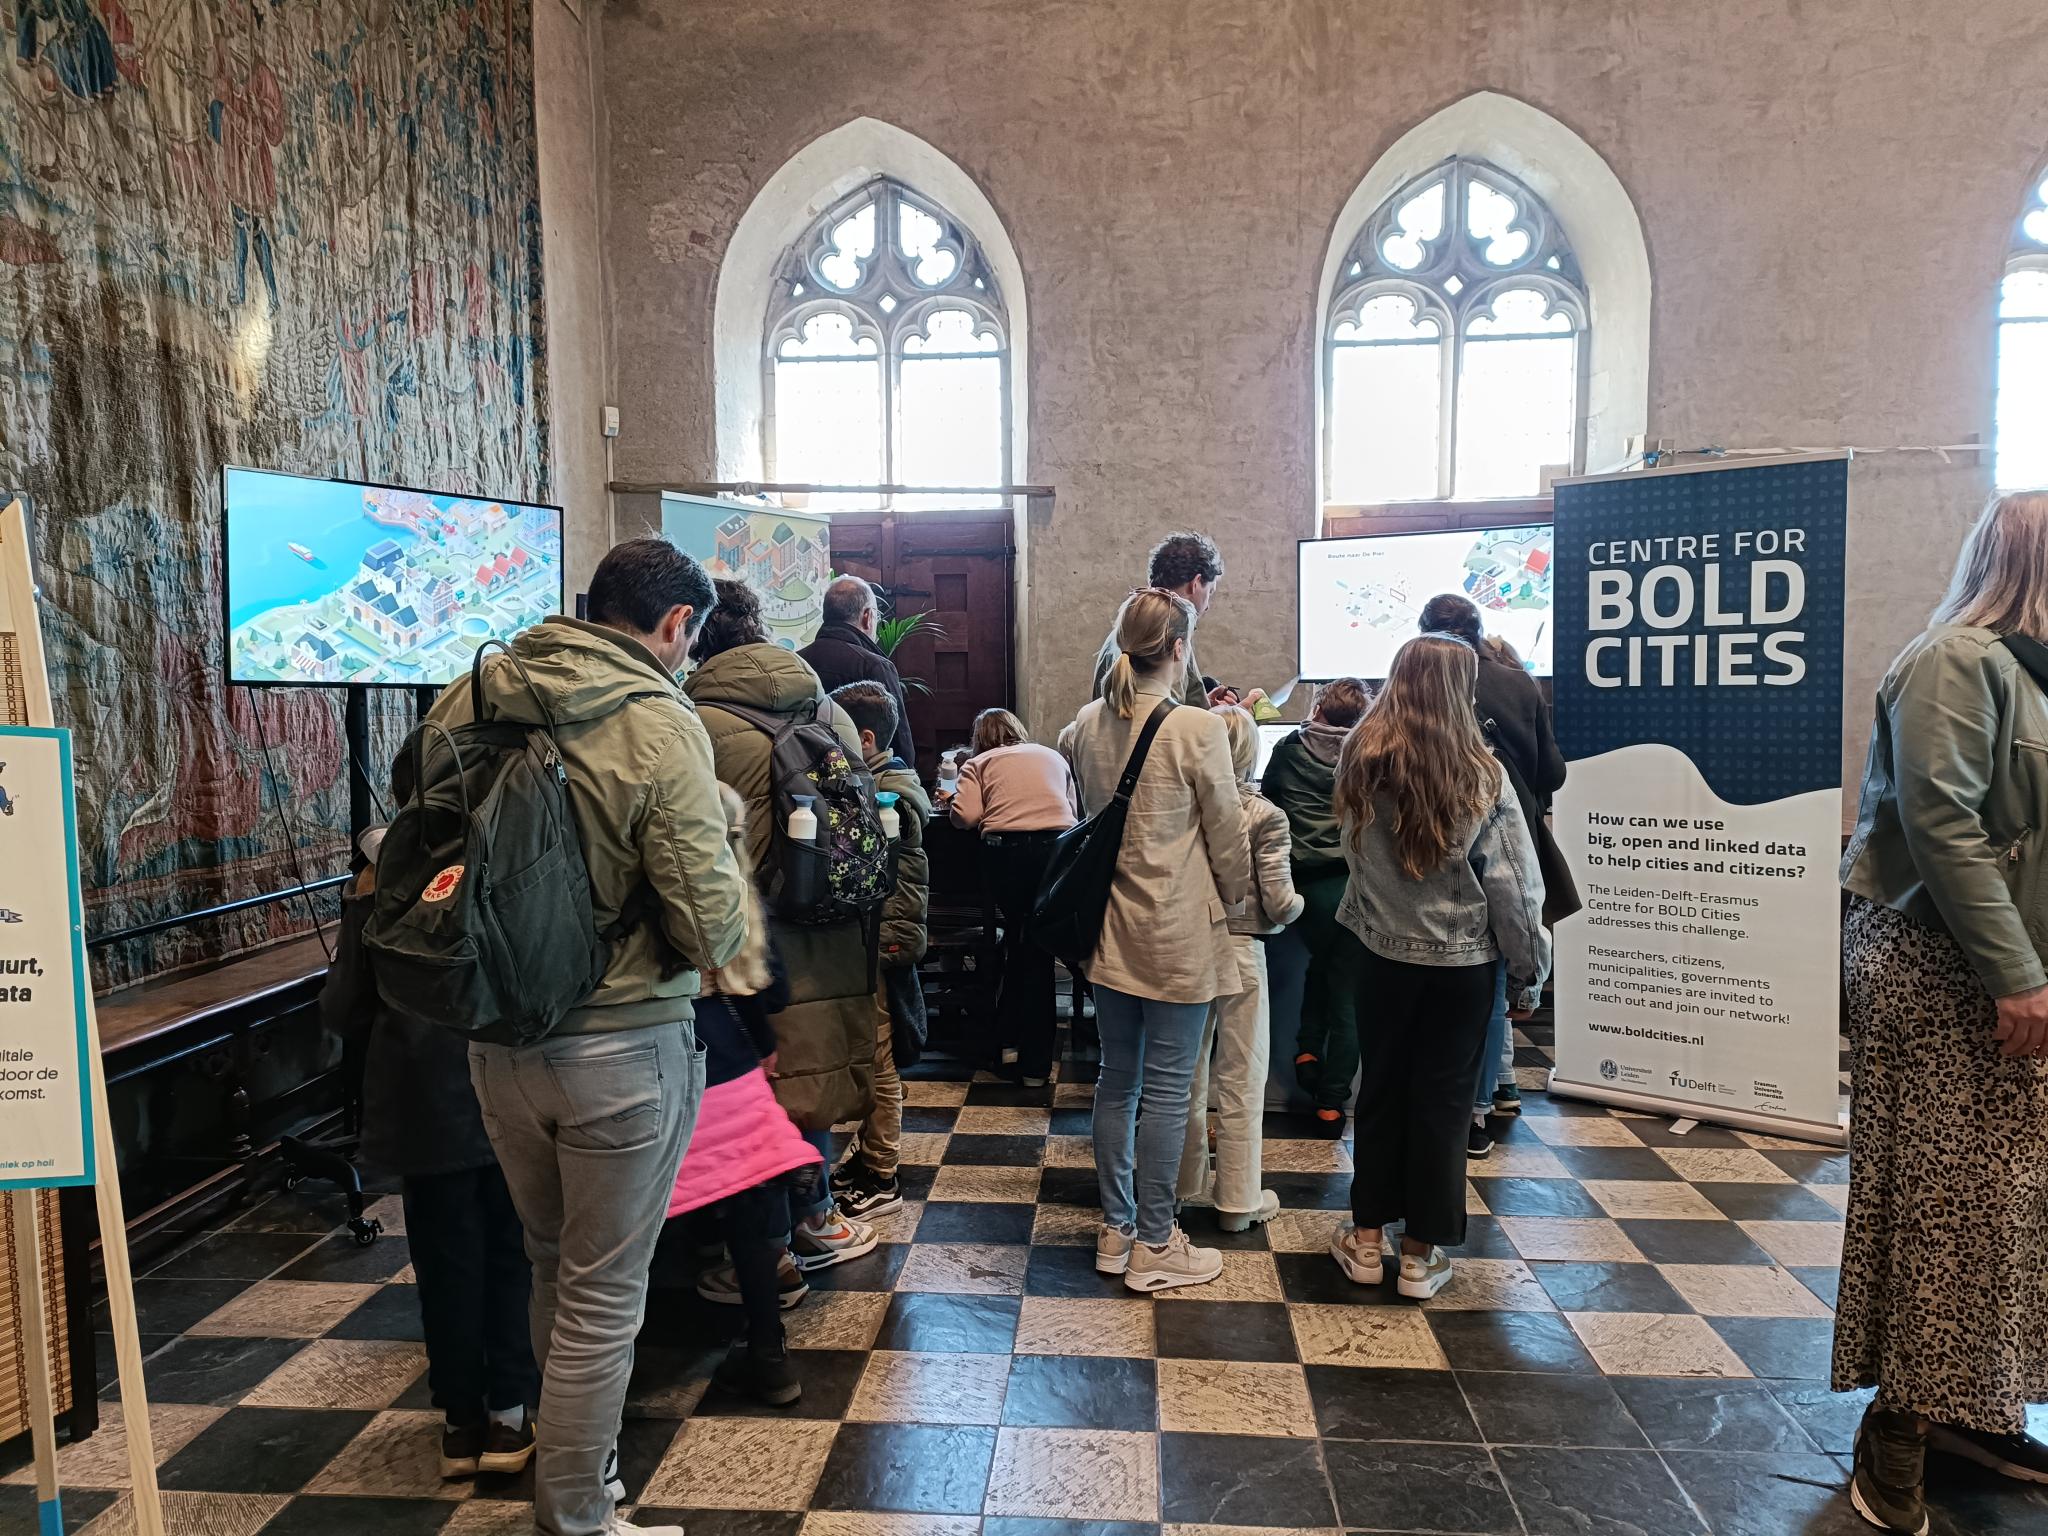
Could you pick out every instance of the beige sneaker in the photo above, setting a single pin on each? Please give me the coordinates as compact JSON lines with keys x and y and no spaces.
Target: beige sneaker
{"x":1362,"y":1264}
{"x":1178,"y":1263}
{"x":1422,"y":1276}
{"x":1112,"y":1251}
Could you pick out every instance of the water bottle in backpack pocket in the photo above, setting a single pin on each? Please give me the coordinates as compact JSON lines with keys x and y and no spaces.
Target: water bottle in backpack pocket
{"x":829,"y":860}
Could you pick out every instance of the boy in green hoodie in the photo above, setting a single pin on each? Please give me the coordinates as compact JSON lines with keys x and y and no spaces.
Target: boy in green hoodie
{"x":1301,"y":779}
{"x":865,"y":1183}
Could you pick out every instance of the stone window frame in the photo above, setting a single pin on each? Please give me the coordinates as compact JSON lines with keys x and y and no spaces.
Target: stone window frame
{"x":2028,"y":252}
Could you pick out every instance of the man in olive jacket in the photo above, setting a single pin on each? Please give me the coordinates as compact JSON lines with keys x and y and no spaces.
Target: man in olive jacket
{"x":591,"y":1123}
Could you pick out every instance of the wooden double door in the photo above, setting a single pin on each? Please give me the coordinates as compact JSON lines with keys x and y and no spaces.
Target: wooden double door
{"x":960,"y":568}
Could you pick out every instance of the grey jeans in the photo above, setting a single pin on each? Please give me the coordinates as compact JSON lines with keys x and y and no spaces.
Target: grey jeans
{"x":590,"y":1130}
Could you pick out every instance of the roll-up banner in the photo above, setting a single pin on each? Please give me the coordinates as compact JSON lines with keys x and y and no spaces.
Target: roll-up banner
{"x":1699,"y":707}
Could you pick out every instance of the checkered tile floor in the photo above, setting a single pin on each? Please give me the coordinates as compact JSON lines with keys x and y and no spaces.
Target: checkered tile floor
{"x":1636,"y":1341}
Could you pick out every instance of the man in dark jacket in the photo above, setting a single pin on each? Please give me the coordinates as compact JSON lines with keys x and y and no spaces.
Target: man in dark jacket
{"x":1301,"y":779}
{"x":844,"y":651}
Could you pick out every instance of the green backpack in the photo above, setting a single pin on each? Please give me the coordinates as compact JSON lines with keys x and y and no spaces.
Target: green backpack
{"x":483,"y":922}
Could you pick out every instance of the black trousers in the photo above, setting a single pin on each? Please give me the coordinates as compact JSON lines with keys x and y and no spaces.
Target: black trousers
{"x":1014,"y":865}
{"x":1421,"y":1031}
{"x":756,"y":1226}
{"x":469,"y":1253}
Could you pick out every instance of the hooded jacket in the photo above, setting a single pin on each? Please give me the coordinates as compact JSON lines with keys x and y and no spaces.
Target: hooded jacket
{"x":646,"y":801}
{"x":904,"y":934}
{"x":825,"y":1068}
{"x":1301,"y":778}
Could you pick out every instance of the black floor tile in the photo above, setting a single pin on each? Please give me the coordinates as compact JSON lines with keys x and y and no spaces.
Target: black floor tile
{"x":1079,"y":1186}
{"x":1602,"y":1287}
{"x":233,"y":1256}
{"x":1826,"y":1283}
{"x":1391,"y":1487}
{"x":313,"y":1214}
{"x":339,"y":1258}
{"x":975,"y":1221}
{"x":913,"y":1468}
{"x":1315,"y":1277}
{"x":1829,"y":1418}
{"x":923,"y":1119}
{"x":723,"y":1522}
{"x":1000,"y":1525}
{"x":262,"y":1450}
{"x":995,"y":1151}
{"x":392,"y":1313}
{"x":1069,"y":1272}
{"x":1073,"y":1122}
{"x":829,"y":1377}
{"x":310,"y":1515}
{"x":1968,"y":1500}
{"x":916,"y":1179}
{"x":172,"y":1306}
{"x":1694,"y":1242}
{"x":1311,"y":1191}
{"x":1768,"y":1202}
{"x":1369,"y":1403}
{"x":1572,"y":1492}
{"x":1485,"y":1238}
{"x":1542,"y":1103}
{"x":1242,"y":1480}
{"x":1225,"y":1330}
{"x":220,"y":1372}
{"x":876,"y":1271}
{"x":19,"y":1511}
{"x":1082,"y":1392}
{"x":1813,"y":1167}
{"x":106,"y":1365}
{"x":1800,"y":1348}
{"x":1696,"y":1414}
{"x":1768,"y":1495}
{"x":1510,"y":1341}
{"x":952,"y":1325}
{"x":1538,"y":1197}
{"x":1638,"y":1163}
{"x":1514,"y":1408}
{"x":1010,"y":1095}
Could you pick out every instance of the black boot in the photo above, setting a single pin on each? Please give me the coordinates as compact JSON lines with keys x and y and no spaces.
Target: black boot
{"x":766,"y":1377}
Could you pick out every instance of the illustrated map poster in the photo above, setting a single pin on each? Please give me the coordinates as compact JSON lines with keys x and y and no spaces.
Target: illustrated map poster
{"x":784,"y":556}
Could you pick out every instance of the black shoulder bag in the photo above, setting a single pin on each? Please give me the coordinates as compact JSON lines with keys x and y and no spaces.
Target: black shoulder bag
{"x":1067,"y":918}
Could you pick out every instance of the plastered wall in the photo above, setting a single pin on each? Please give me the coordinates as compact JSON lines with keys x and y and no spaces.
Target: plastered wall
{"x":1826,"y":189}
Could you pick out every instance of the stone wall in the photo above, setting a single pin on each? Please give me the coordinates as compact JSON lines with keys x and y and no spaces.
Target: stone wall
{"x":1826,"y":192}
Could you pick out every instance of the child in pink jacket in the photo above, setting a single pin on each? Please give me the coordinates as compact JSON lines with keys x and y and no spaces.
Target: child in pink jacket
{"x":743,"y":1149}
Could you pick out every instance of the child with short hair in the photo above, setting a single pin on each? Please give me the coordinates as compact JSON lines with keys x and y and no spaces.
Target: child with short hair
{"x":866,"y":1184}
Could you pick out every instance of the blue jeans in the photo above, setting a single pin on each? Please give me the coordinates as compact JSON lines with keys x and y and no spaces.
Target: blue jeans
{"x":806,"y":1203}
{"x":1496,"y":1059}
{"x":1148,"y":1054}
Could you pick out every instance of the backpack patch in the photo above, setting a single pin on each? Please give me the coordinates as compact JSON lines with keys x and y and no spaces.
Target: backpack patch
{"x":442,"y":886}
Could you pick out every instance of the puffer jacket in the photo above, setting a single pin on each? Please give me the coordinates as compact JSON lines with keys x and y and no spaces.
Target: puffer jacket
{"x":1301,"y":778}
{"x":647,"y":810}
{"x":1273,"y":903}
{"x":825,"y":1071}
{"x":904,"y":935}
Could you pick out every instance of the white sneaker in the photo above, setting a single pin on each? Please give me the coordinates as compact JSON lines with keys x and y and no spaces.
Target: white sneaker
{"x":613,"y":1483}
{"x":1178,"y":1263}
{"x":619,"y":1525}
{"x":1244,"y":1221}
{"x":836,"y":1239}
{"x":1112,"y":1251}
{"x":1361,"y":1265}
{"x":1422,"y":1276}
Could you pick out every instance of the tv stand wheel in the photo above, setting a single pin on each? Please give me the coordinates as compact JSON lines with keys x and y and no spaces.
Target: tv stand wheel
{"x":366,"y":1230}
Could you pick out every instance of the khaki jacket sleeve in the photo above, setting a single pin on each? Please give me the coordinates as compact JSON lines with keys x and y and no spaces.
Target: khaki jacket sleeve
{"x":904,"y":934}
{"x":1222,"y":810}
{"x":1272,"y":860}
{"x":685,"y":856}
{"x":1944,"y":723}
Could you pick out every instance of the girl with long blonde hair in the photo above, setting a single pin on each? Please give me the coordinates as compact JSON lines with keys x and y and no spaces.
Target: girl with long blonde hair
{"x":1165,"y":954}
{"x":1444,"y":886}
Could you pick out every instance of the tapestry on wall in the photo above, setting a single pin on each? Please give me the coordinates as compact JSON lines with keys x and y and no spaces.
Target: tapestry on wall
{"x":290,"y":234}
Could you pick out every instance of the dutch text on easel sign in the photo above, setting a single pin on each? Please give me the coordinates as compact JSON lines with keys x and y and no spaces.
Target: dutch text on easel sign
{"x":46,"y":1130}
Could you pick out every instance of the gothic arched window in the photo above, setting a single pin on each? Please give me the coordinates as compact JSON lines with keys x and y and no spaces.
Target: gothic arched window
{"x":887,"y":357}
{"x":2022,"y":421}
{"x":1456,"y":345}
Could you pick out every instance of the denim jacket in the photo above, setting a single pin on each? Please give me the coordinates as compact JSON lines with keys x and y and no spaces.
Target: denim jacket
{"x":1485,"y":906}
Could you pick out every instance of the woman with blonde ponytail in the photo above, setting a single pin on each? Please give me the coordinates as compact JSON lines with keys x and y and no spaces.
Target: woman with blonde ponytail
{"x":1165,"y":953}
{"x":1444,"y":887}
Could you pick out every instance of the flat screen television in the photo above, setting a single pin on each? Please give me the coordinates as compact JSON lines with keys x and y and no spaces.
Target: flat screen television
{"x":1361,"y":597}
{"x":349,"y":583}
{"x":1270,"y":736}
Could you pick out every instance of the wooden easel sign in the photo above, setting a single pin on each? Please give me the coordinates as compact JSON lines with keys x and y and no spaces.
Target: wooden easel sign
{"x":54,"y":1127}
{"x":46,"y":1136}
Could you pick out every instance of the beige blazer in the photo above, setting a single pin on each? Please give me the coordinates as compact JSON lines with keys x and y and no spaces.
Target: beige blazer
{"x":1185,"y":856}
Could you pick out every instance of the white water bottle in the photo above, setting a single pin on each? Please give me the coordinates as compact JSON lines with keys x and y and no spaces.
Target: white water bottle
{"x":803,"y":821}
{"x":892,"y":819}
{"x":949,"y":774}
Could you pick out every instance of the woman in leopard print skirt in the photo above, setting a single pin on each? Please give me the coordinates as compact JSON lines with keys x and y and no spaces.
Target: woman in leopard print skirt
{"x":1944,"y":1299}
